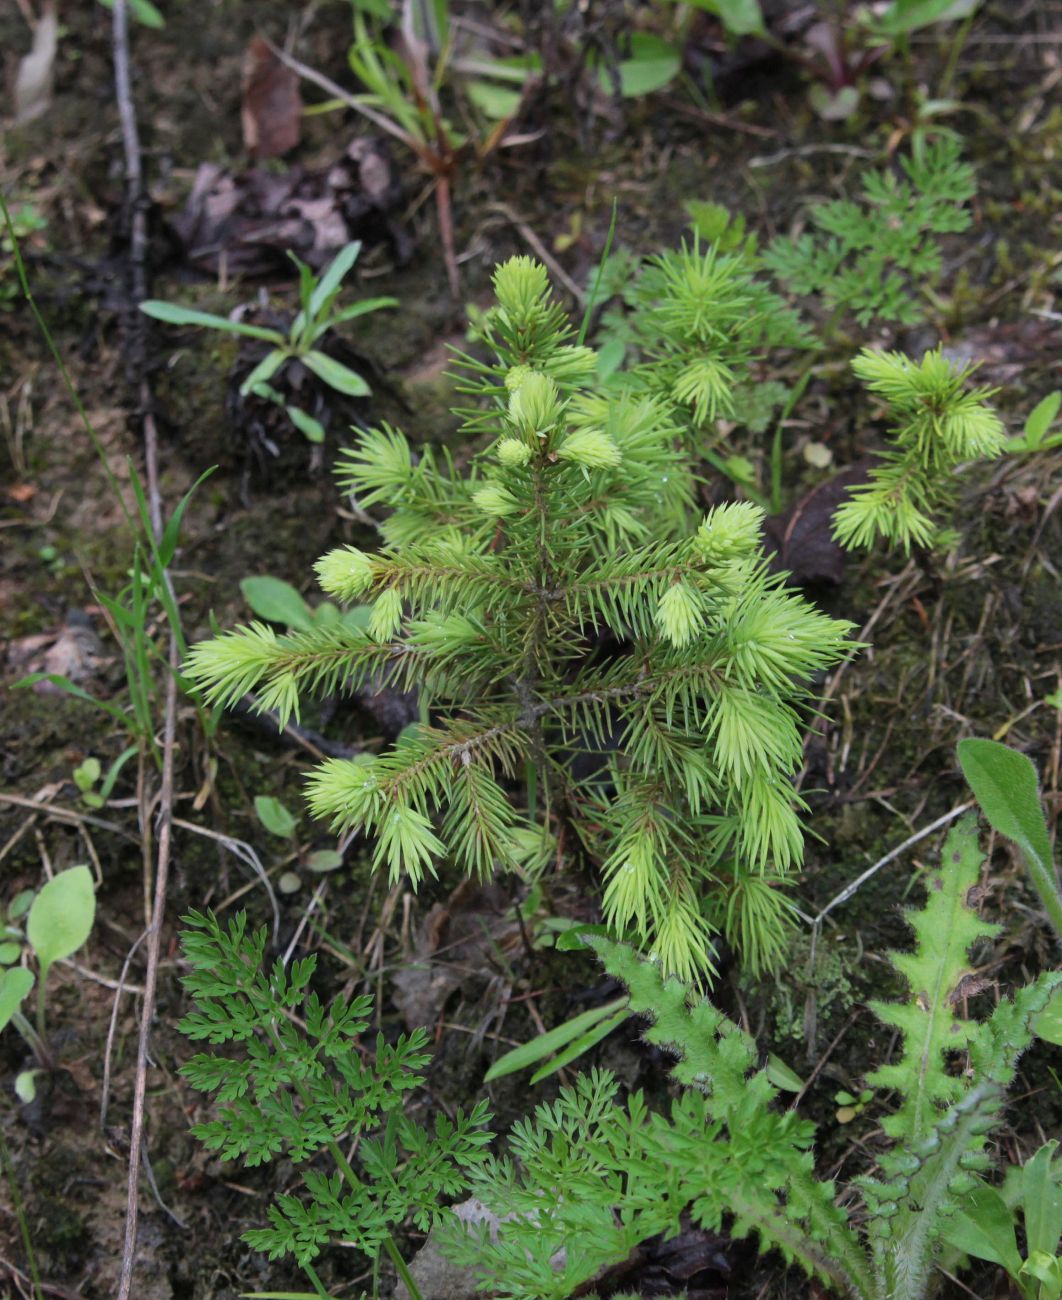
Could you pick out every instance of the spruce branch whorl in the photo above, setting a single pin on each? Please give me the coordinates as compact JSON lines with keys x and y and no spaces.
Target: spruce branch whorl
{"x":492,"y":594}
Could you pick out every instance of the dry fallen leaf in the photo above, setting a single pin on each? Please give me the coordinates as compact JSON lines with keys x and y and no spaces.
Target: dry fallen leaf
{"x":453,"y":943}
{"x":250,"y":220}
{"x":802,"y":538}
{"x":271,"y":114}
{"x":36,"y":70}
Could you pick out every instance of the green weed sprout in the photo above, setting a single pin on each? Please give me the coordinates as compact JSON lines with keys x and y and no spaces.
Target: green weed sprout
{"x":317,"y":315}
{"x":642,"y":677}
{"x":300,"y":1086}
{"x":1005,"y":786}
{"x":588,"y":1178}
{"x":867,"y":257}
{"x":985,"y":1225}
{"x":26,"y":222}
{"x":937,"y":424}
{"x":59,"y":919}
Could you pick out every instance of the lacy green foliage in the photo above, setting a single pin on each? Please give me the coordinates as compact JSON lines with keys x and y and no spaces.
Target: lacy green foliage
{"x":301,"y":1084}
{"x":594,"y":1177}
{"x":937,"y":423}
{"x":497,"y":596}
{"x":868,"y":256}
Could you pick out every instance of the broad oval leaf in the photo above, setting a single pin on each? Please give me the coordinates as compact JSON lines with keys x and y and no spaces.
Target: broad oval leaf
{"x":1005,"y":785}
{"x":984,"y":1228}
{"x":325,"y":860}
{"x":740,"y":17}
{"x":335,"y":375}
{"x":15,"y":984}
{"x":653,"y":64}
{"x":61,"y":917}
{"x":274,"y":816}
{"x":277,"y":601}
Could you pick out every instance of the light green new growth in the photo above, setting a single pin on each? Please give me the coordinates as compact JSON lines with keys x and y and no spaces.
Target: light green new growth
{"x":870,"y":255}
{"x":937,"y":424}
{"x":596,"y":1177}
{"x":560,"y":613}
{"x":702,"y":320}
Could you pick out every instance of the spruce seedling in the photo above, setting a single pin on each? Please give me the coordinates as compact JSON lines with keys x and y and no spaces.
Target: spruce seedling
{"x":552,"y":604}
{"x":937,"y":424}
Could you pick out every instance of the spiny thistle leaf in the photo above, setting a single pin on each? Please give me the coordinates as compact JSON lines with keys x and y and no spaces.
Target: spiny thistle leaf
{"x":945,"y":930}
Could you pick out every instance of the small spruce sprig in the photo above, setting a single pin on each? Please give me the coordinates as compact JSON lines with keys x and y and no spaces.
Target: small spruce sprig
{"x":937,"y":423}
{"x":588,"y":1177}
{"x":703,"y":319}
{"x":303,"y":1084}
{"x":549,"y":604}
{"x":868,"y":257}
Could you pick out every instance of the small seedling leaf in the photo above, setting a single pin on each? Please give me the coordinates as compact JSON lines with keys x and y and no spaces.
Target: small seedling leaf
{"x":335,"y":375}
{"x":277,"y":601}
{"x":312,"y":430}
{"x":353,"y":312}
{"x":984,"y":1228}
{"x":20,"y":904}
{"x":653,"y":64}
{"x":274,"y":816}
{"x":264,"y":371}
{"x":26,"y":1086}
{"x":171,"y":314}
{"x":1041,"y":417}
{"x":61,"y":917}
{"x":86,"y":774}
{"x":289,"y":883}
{"x":909,"y":15}
{"x":325,"y":860}
{"x":552,"y":1041}
{"x":740,"y":17}
{"x":15,"y":984}
{"x":143,"y":11}
{"x":9,"y":952}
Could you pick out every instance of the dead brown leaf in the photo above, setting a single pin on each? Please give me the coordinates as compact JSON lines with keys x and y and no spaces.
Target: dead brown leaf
{"x":249,"y":220}
{"x":271,"y":113}
{"x":802,"y":538}
{"x":453,"y":943}
{"x":36,"y":70}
